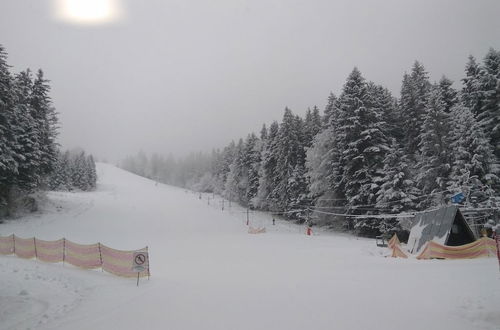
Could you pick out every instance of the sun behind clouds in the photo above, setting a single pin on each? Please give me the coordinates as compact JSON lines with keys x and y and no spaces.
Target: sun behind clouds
{"x":90,"y":12}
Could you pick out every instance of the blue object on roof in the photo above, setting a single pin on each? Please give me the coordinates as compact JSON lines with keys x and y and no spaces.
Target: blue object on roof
{"x":458,"y":198}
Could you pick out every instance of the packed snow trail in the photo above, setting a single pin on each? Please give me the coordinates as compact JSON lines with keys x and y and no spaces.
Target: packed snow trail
{"x":209,"y":273}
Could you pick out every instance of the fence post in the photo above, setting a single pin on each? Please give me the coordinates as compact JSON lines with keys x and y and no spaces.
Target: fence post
{"x":149,"y":273}
{"x":34,"y":243}
{"x":64,"y":250}
{"x":497,"y":240}
{"x":100,"y":255}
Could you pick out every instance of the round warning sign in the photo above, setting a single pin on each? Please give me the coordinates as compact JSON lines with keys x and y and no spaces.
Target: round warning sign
{"x":139,"y":261}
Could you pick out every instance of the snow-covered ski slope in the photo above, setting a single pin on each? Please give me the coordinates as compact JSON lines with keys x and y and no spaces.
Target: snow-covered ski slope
{"x":209,"y":273}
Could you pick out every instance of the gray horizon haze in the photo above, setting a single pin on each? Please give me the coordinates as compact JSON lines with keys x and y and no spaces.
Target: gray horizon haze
{"x":185,"y":76}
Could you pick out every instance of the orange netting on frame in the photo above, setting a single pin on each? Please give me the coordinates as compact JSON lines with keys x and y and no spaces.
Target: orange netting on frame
{"x":50,"y":251}
{"x":252,"y":230}
{"x":7,"y":244}
{"x":88,"y":256}
{"x":395,"y":245}
{"x":393,"y":241}
{"x":118,"y":262}
{"x":483,"y":247}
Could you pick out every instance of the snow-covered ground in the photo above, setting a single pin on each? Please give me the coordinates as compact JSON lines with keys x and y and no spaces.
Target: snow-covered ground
{"x":209,"y":273}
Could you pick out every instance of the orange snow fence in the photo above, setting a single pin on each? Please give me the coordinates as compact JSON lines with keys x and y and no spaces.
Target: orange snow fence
{"x":83,"y":256}
{"x":24,"y":247}
{"x":252,"y":230}
{"x":118,"y":262}
{"x":483,"y":247}
{"x":7,"y":244}
{"x":88,"y":256}
{"x":395,"y":245}
{"x":397,"y":252}
{"x":393,"y":241}
{"x":50,"y":251}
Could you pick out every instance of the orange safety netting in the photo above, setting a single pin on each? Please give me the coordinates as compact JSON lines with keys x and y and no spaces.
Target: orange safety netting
{"x":7,"y":244}
{"x":24,"y":247}
{"x":395,"y":245}
{"x":50,"y":251}
{"x":483,"y":247}
{"x":252,"y":230}
{"x":394,"y":241}
{"x":86,"y":256}
{"x":119,"y":262}
{"x":397,"y":252}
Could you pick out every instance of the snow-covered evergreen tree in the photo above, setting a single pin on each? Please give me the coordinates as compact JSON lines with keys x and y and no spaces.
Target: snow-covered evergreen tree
{"x":414,"y":94}
{"x":8,"y":163}
{"x":312,"y":126}
{"x":448,"y":93}
{"x":398,"y":192}
{"x":471,"y":91}
{"x":472,"y":153}
{"x":489,"y":113}
{"x":251,"y":162}
{"x":329,"y":110}
{"x":28,"y":148}
{"x":365,"y":143}
{"x":237,"y":180}
{"x":290,"y":162}
{"x":46,"y":122}
{"x":436,"y":156}
{"x":267,"y":171}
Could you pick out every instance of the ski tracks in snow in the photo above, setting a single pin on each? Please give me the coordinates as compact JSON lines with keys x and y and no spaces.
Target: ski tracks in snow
{"x":43,"y":295}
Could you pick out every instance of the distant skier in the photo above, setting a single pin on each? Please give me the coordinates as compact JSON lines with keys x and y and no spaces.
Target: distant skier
{"x":309,"y":229}
{"x":274,"y":221}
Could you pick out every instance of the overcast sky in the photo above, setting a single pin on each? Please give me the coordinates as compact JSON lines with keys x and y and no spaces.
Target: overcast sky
{"x":180,"y":76}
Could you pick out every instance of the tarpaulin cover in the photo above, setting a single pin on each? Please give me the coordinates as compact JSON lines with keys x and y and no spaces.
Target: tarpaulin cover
{"x":120,"y":262}
{"x":483,"y":247}
{"x":7,"y":244}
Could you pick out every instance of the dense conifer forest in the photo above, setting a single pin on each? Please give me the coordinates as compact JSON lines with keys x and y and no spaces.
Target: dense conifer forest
{"x":30,"y":160}
{"x":368,"y":152}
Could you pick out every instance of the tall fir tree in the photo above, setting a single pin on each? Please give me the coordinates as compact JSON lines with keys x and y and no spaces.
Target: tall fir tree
{"x":448,"y":93}
{"x":489,"y":113}
{"x":28,"y":147}
{"x":436,"y":157}
{"x":46,"y":122}
{"x":414,"y":94}
{"x":398,"y":192}
{"x":8,"y":141}
{"x":472,"y":153}
{"x":329,"y":110}
{"x":251,"y":164}
{"x":267,"y":171}
{"x":290,"y":157}
{"x":471,"y":91}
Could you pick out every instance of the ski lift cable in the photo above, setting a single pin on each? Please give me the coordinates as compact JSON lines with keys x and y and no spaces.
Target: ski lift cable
{"x":390,"y":202}
{"x":366,"y":216}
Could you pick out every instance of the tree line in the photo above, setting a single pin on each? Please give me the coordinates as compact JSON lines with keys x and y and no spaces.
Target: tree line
{"x":368,"y":153}
{"x":73,"y":170}
{"x":29,"y":153}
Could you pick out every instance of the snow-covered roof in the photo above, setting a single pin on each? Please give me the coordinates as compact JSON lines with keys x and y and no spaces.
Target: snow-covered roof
{"x":433,"y":225}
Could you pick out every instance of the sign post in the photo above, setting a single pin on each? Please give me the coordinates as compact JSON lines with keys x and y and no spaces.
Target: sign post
{"x":497,"y":241}
{"x":139,"y":263}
